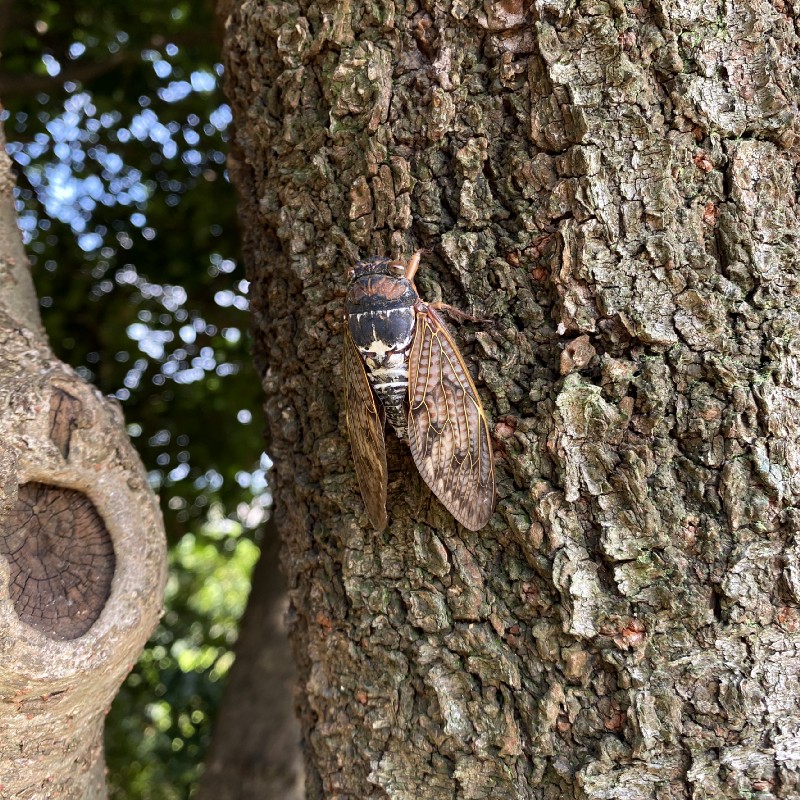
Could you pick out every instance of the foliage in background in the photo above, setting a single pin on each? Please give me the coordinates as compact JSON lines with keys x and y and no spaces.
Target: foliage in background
{"x":116,"y":124}
{"x":177,"y":680}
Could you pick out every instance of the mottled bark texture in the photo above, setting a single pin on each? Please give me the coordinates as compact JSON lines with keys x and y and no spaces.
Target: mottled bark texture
{"x":614,"y":185}
{"x":82,"y":556}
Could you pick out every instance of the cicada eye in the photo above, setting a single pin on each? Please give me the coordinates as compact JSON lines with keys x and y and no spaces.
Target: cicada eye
{"x":351,"y":273}
{"x":397,"y":268}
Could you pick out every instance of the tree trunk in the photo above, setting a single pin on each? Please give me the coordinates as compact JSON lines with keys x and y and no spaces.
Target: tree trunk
{"x":614,"y":186}
{"x":82,"y":555}
{"x":256,"y":747}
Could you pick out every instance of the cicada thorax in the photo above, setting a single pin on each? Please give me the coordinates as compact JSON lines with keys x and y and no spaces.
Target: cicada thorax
{"x":380,"y":309}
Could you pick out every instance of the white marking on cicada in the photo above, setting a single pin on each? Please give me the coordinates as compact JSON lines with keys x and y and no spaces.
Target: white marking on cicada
{"x":378,"y":386}
{"x":378,"y":348}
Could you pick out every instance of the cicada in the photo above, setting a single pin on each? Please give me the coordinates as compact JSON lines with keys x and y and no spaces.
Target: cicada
{"x":401,"y":365}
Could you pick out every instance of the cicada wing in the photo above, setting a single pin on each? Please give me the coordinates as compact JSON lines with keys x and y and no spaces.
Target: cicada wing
{"x":365,"y":427}
{"x":447,"y":428}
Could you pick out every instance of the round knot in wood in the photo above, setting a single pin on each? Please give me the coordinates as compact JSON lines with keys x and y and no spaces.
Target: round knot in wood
{"x":61,"y":560}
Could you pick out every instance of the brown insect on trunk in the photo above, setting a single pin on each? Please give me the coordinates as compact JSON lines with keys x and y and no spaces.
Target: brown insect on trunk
{"x":401,"y":364}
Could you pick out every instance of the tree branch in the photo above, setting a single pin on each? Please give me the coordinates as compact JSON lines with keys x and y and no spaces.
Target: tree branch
{"x":17,"y":295}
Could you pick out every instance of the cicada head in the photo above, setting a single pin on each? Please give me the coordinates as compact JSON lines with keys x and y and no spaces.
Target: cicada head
{"x":376,"y":265}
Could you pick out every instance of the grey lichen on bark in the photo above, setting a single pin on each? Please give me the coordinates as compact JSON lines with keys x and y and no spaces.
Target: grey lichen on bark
{"x":82,"y":552}
{"x":615,"y":185}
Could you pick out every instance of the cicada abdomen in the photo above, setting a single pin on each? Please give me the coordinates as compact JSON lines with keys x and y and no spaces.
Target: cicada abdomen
{"x":402,"y":365}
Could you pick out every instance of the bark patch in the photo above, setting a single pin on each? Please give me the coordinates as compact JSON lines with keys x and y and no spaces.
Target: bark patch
{"x":61,"y":560}
{"x":64,"y":417}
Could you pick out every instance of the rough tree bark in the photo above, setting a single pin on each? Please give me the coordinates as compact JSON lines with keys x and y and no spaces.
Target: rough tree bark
{"x":82,"y":552}
{"x":614,"y":185}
